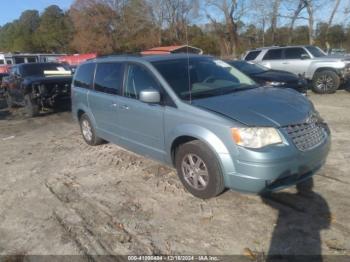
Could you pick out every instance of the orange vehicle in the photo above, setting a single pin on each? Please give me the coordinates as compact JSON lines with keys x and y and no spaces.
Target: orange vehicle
{"x":75,"y":60}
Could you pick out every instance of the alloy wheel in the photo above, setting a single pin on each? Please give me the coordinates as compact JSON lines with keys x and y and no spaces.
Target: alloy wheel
{"x":86,"y":128}
{"x":195,"y":172}
{"x":325,"y":83}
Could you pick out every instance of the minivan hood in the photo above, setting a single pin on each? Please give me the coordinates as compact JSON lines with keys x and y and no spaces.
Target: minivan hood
{"x":262,"y":106}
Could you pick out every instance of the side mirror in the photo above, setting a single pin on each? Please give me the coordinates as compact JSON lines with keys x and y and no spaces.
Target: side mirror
{"x":305,"y":56}
{"x":150,"y":96}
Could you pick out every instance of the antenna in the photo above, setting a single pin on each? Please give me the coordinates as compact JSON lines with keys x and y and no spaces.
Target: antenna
{"x":188,"y":66}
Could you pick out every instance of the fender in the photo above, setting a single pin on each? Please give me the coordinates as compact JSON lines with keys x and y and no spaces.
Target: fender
{"x":319,"y":65}
{"x":206,"y":136}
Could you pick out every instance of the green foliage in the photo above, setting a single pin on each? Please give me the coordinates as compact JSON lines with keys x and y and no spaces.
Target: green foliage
{"x":54,"y":32}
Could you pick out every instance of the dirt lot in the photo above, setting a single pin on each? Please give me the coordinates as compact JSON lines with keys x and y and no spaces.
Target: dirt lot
{"x":60,"y":196}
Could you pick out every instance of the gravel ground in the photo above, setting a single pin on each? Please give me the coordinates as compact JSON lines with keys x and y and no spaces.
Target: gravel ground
{"x":60,"y":196}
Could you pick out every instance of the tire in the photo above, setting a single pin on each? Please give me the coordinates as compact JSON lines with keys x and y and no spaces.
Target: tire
{"x":31,"y":106}
{"x":88,"y":131}
{"x":211,"y":182}
{"x":325,"y":82}
{"x":9,"y":100}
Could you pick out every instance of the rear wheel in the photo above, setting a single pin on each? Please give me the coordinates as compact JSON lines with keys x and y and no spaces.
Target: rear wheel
{"x":199,"y":170}
{"x":88,"y":131}
{"x":325,"y":82}
{"x":31,"y":106}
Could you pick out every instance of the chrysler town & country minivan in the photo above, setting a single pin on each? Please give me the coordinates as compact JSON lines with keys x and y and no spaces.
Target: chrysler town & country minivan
{"x":215,"y":125}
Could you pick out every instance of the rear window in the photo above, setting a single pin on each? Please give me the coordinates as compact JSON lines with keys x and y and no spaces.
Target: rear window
{"x":19,"y":60}
{"x":109,"y":77}
{"x":273,"y":54}
{"x":2,"y":61}
{"x":43,"y":69}
{"x":84,"y":76}
{"x":31,"y":59}
{"x":294,"y":53}
{"x":252,"y":55}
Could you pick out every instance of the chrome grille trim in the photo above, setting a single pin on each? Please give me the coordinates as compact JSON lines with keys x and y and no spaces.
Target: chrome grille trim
{"x":308,"y":135}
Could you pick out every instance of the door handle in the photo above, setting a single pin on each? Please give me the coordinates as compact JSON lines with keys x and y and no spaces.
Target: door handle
{"x":124,"y":107}
{"x":285,"y":63}
{"x":114,"y":105}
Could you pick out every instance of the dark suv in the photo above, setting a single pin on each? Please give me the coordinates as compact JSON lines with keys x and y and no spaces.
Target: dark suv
{"x":37,"y":85}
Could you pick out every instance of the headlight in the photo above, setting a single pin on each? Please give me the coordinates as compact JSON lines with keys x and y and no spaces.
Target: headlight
{"x":274,"y":83}
{"x":256,"y":137}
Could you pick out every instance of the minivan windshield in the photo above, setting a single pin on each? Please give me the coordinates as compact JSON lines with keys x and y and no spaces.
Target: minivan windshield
{"x":315,"y":51}
{"x":193,"y":78}
{"x":44,"y":68}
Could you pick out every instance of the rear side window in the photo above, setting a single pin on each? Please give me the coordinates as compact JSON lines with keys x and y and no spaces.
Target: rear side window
{"x":294,"y":53}
{"x":273,"y":54}
{"x":84,"y":76}
{"x":139,"y":78}
{"x":31,"y":60}
{"x":108,"y":77}
{"x":252,"y":55}
{"x":19,"y":60}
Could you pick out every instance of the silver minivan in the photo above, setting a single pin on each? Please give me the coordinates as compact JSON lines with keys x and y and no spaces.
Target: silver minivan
{"x":203,"y":117}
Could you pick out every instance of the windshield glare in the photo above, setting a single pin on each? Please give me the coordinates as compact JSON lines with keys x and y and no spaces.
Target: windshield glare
{"x":315,"y":51}
{"x":202,"y":77}
{"x":39,"y":69}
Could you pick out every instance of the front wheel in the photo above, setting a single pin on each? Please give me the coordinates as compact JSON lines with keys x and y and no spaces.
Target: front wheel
{"x":325,"y":82}
{"x":199,"y":170}
{"x":31,"y":106}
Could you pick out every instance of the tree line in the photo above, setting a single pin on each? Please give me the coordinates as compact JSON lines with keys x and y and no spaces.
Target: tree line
{"x":220,"y":27}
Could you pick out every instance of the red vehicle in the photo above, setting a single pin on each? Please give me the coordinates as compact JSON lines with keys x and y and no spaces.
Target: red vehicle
{"x":163,"y":50}
{"x":75,"y":60}
{"x":4,"y":69}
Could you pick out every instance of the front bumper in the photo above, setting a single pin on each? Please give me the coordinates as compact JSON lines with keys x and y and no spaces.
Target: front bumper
{"x":258,"y":171}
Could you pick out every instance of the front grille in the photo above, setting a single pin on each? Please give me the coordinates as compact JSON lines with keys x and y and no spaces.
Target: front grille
{"x":307,"y":135}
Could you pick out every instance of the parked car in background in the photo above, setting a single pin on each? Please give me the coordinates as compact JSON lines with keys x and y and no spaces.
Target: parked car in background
{"x":325,"y":73}
{"x":37,"y":86}
{"x":337,"y":52}
{"x":270,"y":77}
{"x":204,"y":117}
